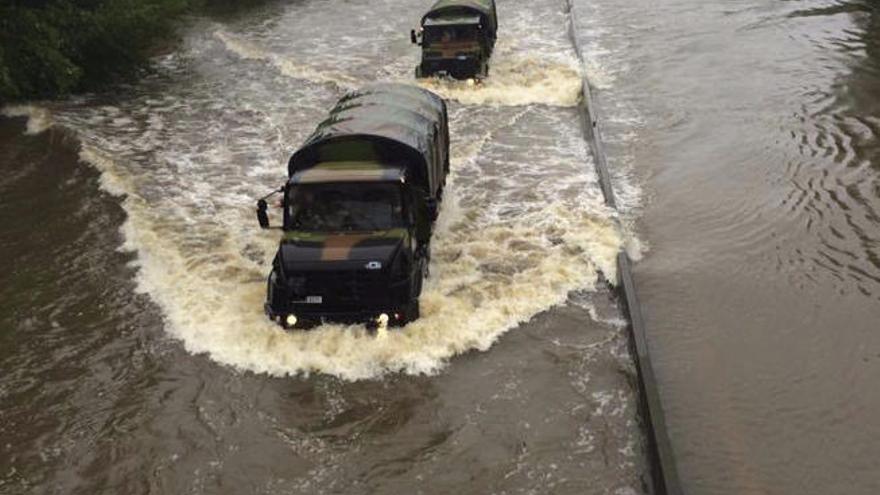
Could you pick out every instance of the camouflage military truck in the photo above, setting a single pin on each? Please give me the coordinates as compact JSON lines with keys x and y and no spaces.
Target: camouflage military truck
{"x":457,"y":38}
{"x":358,"y":210}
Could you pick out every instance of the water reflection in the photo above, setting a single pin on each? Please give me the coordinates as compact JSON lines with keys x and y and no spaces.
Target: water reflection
{"x":759,"y":155}
{"x":834,"y":161}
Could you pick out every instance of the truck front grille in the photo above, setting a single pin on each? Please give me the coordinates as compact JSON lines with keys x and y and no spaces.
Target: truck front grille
{"x":348,"y":287}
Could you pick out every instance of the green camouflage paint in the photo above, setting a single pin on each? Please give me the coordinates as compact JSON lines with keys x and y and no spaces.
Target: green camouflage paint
{"x":337,"y":246}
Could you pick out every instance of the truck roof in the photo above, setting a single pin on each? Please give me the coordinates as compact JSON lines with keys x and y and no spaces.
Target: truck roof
{"x":483,"y":8}
{"x":387,"y":123}
{"x":352,"y":171}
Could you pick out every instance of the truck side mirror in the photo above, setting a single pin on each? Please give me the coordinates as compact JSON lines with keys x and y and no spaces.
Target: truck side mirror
{"x":262,"y":216}
{"x":412,"y":37}
{"x":433,"y":210}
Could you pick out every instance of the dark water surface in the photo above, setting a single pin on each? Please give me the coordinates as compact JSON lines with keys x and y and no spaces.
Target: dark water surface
{"x":754,"y":129}
{"x":134,"y":356}
{"x":744,"y":141}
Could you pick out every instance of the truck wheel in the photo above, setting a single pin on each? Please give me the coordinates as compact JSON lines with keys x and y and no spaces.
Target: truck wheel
{"x":426,"y":270}
{"x":412,"y":312}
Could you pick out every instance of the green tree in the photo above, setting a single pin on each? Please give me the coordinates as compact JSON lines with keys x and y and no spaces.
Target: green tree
{"x":53,"y":47}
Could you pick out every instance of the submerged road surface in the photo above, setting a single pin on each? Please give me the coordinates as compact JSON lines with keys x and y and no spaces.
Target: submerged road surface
{"x":134,"y":353}
{"x":754,"y":129}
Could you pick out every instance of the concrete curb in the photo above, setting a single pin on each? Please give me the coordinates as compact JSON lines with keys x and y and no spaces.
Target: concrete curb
{"x":663,"y":471}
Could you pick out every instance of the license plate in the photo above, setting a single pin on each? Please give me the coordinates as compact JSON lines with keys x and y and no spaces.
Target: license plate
{"x":314,"y":299}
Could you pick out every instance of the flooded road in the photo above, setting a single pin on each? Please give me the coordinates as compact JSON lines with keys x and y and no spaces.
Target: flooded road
{"x":754,"y":130}
{"x":743,"y":140}
{"x":135,"y":355}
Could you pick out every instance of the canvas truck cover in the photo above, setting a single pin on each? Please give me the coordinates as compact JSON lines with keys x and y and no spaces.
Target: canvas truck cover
{"x":393,"y":124}
{"x":483,"y":8}
{"x":413,"y":93}
{"x":401,"y":96}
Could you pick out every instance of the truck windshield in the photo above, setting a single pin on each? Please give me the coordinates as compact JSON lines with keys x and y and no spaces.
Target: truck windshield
{"x":451,"y":34}
{"x":344,"y":207}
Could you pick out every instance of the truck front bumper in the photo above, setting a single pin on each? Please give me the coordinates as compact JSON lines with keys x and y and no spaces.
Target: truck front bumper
{"x":303,"y":317}
{"x":290,"y":311}
{"x":457,"y":68}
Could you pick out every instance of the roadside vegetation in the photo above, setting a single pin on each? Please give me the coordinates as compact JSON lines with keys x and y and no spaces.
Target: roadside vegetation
{"x":50,"y":48}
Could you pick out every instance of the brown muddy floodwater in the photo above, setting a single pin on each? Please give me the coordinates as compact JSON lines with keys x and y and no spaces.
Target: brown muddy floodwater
{"x":134,"y":356}
{"x":753,"y":129}
{"x":744,"y":143}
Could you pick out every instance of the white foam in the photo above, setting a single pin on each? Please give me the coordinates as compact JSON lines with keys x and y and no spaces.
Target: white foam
{"x":487,"y":277}
{"x":288,"y":66}
{"x":110,"y":181}
{"x":516,"y":80}
{"x":39,"y":118}
{"x":523,"y":222}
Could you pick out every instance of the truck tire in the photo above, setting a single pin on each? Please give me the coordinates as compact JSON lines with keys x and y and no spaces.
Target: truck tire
{"x":412,"y":312}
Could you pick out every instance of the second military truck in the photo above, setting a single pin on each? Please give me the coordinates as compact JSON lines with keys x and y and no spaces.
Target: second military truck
{"x":457,"y":38}
{"x":359,"y":206}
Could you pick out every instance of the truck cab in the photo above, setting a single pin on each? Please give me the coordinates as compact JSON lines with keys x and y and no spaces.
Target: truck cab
{"x":358,"y":210}
{"x":355,"y":246}
{"x":457,"y":38}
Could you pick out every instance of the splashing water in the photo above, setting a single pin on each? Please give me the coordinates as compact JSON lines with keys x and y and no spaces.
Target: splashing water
{"x":522,"y":226}
{"x":515,"y":81}
{"x":39,"y":119}
{"x":497,"y":261}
